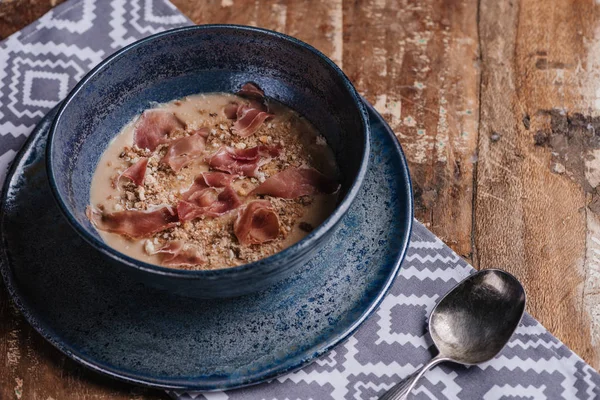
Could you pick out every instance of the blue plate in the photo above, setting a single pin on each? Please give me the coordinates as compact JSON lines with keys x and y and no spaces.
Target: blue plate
{"x":93,"y":313}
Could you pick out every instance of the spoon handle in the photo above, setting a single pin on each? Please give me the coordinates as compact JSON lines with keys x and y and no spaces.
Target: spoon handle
{"x":401,"y":390}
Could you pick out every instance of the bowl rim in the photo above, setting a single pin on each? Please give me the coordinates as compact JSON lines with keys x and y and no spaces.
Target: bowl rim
{"x":300,"y":247}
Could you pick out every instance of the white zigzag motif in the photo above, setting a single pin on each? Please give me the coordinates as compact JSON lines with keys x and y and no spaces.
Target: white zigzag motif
{"x":385,"y":334}
{"x":83,"y":53}
{"x":452,"y":273}
{"x":500,"y":392}
{"x":429,"y":258}
{"x":370,"y":385}
{"x":588,"y":379}
{"x":329,"y":361}
{"x":175,"y":19}
{"x":135,"y":17}
{"x":13,"y":45}
{"x":438,"y":244}
{"x":534,"y":330}
{"x":117,"y":22}
{"x":534,"y":344}
{"x":564,"y":366}
{"x":14,"y":91}
{"x":423,"y":390}
{"x":14,"y":130}
{"x":84,"y":24}
{"x":438,"y":375}
{"x":340,"y":378}
{"x":63,"y":81}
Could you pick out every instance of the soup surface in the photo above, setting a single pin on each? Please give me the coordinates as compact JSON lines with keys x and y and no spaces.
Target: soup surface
{"x":213,"y":181}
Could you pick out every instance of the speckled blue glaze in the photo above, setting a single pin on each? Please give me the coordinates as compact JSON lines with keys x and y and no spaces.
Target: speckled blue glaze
{"x":85,"y":306}
{"x":199,"y":59}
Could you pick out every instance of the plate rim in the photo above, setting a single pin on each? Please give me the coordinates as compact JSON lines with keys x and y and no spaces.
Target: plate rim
{"x":131,"y":377}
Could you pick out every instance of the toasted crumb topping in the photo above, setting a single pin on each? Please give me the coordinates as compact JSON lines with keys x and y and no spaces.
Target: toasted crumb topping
{"x":301,"y":146}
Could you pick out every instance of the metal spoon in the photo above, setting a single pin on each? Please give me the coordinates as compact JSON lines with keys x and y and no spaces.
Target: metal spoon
{"x":471,"y":324}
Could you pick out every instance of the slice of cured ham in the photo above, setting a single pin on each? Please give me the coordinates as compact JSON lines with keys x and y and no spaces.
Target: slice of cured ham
{"x":136,"y":172}
{"x":224,"y":202}
{"x":251,"y":90}
{"x":249,"y":117}
{"x":176,"y":253}
{"x":132,"y":223}
{"x":256,"y":223}
{"x":153,"y":128}
{"x":249,"y":120}
{"x":204,"y":181}
{"x":217,"y":179}
{"x":202,"y":199}
{"x":184,"y":150}
{"x":296,"y":182}
{"x":242,"y":161}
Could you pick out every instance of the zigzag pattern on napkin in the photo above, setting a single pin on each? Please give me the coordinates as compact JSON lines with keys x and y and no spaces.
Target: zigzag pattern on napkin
{"x":42,"y":62}
{"x":393,"y":343}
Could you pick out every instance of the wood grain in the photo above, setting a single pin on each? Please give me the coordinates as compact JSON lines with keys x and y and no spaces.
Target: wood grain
{"x":530,"y":209}
{"x":15,"y":14}
{"x":493,"y":104}
{"x":417,"y":62}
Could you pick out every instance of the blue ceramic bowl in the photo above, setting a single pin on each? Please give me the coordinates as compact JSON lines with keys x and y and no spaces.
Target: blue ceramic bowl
{"x":209,"y":58}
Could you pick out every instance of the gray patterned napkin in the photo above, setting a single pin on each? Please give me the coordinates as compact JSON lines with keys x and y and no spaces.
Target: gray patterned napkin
{"x":40,"y":64}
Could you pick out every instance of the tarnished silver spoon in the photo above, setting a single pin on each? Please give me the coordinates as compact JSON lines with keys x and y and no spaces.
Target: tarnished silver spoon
{"x":471,"y":324}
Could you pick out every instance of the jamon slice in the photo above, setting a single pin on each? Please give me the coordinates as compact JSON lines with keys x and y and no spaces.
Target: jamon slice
{"x":217,"y":179}
{"x":132,"y":223}
{"x":256,"y":223}
{"x":204,"y":181}
{"x":153,"y":128}
{"x":184,"y":150}
{"x":176,"y":253}
{"x":224,"y":202}
{"x":249,"y":120}
{"x":202,"y":199}
{"x":296,"y":182}
{"x":249,"y":117}
{"x":242,"y":161}
{"x":136,"y":172}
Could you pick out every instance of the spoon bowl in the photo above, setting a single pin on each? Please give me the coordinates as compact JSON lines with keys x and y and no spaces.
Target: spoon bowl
{"x":471,"y":323}
{"x":475,"y":320}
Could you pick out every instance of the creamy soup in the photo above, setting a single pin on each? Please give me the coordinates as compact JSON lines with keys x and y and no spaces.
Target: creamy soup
{"x":213,"y":181}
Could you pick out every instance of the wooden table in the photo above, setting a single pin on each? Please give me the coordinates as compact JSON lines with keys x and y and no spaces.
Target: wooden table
{"x":495,"y":104}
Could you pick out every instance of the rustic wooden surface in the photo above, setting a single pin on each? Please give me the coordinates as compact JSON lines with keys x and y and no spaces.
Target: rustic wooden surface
{"x":496,"y":104}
